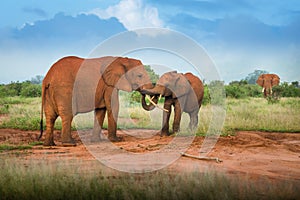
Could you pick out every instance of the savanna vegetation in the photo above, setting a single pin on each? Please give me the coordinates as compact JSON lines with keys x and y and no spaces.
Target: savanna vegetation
{"x":245,"y":110}
{"x":241,"y":114}
{"x":245,"y":107}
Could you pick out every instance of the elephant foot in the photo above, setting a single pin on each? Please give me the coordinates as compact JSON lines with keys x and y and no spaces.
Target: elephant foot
{"x":115,"y":138}
{"x":49,"y":142}
{"x":164,"y":133}
{"x":175,"y":132}
{"x":95,"y":138}
{"x":68,"y":144}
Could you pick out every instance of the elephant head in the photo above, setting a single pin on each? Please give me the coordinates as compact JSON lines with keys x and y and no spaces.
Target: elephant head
{"x":128,"y":75}
{"x":267,"y":81}
{"x":171,"y":84}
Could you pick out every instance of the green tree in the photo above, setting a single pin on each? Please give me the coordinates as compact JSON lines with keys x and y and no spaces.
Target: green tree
{"x":153,"y":76}
{"x":38,"y":79}
{"x":252,"y":77}
{"x":295,"y":84}
{"x":288,"y":90}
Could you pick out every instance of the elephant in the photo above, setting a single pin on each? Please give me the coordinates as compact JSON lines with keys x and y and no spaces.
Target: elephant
{"x":267,"y":81}
{"x":184,"y":92}
{"x":76,"y":85}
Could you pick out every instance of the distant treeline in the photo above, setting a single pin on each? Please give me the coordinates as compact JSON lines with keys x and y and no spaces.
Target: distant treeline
{"x":24,"y":89}
{"x":235,"y":89}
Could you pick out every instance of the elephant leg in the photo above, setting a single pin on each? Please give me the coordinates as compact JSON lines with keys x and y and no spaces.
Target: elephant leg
{"x":100,"y":113}
{"x":98,"y":124}
{"x":166,"y":118}
{"x":66,"y":137}
{"x":51,"y":116}
{"x":193,"y":120}
{"x":112,"y":106}
{"x":265,"y":93}
{"x":177,"y":117}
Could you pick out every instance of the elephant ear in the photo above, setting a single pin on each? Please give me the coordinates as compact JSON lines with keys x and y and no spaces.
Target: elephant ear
{"x":114,"y":74}
{"x":275,"y":80}
{"x":181,"y":87}
{"x":260,"y":80}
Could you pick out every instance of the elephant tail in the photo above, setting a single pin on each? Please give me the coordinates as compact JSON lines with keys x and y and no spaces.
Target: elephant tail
{"x":42,"y":110}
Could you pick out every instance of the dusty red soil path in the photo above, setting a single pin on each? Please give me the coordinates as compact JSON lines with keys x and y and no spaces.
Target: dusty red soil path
{"x":254,"y":154}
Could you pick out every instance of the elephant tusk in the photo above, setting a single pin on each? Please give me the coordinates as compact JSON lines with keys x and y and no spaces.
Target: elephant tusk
{"x":263,"y":90}
{"x":156,"y":104}
{"x":271,"y":91}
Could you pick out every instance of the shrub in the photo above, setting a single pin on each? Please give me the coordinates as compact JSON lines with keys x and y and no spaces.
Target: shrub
{"x":31,"y":90}
{"x":206,"y":96}
{"x":25,"y":89}
{"x":217,"y":92}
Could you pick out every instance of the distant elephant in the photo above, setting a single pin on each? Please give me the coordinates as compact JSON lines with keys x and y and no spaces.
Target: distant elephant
{"x":75,"y":85}
{"x":184,"y":92}
{"x":267,"y":81}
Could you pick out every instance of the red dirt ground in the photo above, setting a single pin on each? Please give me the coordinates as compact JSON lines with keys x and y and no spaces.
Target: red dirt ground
{"x":248,"y":153}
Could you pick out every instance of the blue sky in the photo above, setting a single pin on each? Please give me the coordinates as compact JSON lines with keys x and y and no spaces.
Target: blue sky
{"x":239,"y":35}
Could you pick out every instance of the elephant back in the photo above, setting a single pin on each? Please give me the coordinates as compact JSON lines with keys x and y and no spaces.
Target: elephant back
{"x":63,"y":72}
{"x":196,"y":84}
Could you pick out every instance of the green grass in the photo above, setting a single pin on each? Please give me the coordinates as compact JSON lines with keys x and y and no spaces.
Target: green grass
{"x":258,"y":114}
{"x":46,"y":180}
{"x":8,"y":147}
{"x":6,"y":102}
{"x":241,"y":114}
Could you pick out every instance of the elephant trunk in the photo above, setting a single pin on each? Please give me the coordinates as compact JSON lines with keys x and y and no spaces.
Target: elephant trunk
{"x":150,"y":106}
{"x":267,"y":91}
{"x":145,"y":87}
{"x":157,"y":90}
{"x":154,"y":92}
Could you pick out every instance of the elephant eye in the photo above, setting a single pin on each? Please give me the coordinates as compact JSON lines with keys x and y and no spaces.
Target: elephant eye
{"x":140,"y":75}
{"x":119,"y":75}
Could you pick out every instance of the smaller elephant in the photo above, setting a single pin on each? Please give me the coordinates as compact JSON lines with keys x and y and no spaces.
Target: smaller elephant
{"x":184,"y":92}
{"x":267,"y":81}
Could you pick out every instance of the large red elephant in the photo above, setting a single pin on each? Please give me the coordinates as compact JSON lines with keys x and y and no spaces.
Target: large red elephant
{"x":267,"y":81}
{"x":75,"y":85}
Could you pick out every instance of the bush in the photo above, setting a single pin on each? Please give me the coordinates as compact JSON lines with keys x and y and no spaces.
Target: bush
{"x":11,"y":89}
{"x":206,"y":96}
{"x":287,"y":90}
{"x":216,"y":92}
{"x":31,"y":90}
{"x":25,"y":89}
{"x":240,"y":89}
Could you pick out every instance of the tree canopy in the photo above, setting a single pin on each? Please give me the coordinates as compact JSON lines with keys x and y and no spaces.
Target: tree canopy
{"x":252,"y":77}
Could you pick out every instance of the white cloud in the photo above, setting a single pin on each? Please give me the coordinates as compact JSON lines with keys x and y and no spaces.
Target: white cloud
{"x":132,"y":14}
